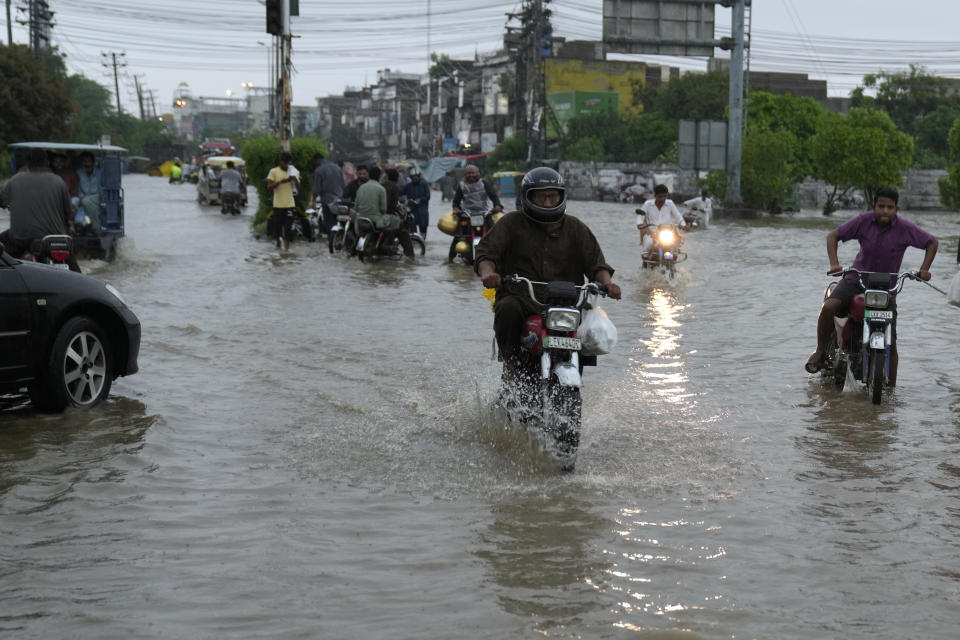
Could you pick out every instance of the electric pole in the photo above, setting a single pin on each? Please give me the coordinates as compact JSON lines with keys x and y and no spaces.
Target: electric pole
{"x":286,"y":65}
{"x":9,"y":26}
{"x":112,"y":56}
{"x":136,"y":83}
{"x":735,"y":125}
{"x":39,"y":22}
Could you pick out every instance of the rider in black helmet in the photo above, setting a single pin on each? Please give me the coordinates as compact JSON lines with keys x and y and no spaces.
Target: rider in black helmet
{"x":539,"y":242}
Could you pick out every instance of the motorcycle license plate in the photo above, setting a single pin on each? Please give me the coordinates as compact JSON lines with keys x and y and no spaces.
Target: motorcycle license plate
{"x":61,"y":265}
{"x":476,"y":221}
{"x":879,"y":315}
{"x":560,"y":342}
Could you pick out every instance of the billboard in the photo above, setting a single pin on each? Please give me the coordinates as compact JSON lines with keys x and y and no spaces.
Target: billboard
{"x":702,"y":144}
{"x":660,"y":27}
{"x":619,"y":76}
{"x":567,"y":105}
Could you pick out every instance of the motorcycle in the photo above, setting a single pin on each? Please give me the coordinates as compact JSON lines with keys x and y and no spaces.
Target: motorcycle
{"x":54,"y":250}
{"x":342,"y":235}
{"x":666,"y":253}
{"x":695,"y":219}
{"x":470,"y":229}
{"x":230,"y":203}
{"x":862,"y":340}
{"x":548,"y":377}
{"x":373,"y":243}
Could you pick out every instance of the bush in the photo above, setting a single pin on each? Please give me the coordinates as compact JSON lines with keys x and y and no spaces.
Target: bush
{"x":260,"y":155}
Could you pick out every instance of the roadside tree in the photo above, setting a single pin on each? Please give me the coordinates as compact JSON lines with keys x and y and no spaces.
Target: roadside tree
{"x":950,"y":184}
{"x":260,"y":155}
{"x":861,"y":150}
{"x":36,"y":104}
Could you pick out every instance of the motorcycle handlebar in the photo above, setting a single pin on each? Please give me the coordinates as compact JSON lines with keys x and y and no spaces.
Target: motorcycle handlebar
{"x":896,"y":288}
{"x":585,"y":289}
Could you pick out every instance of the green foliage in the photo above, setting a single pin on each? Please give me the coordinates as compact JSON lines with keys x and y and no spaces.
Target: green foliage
{"x":640,"y":138}
{"x":36,"y":105}
{"x":920,"y":104}
{"x":260,"y":155}
{"x":4,"y":164}
{"x":716,"y":184}
{"x":801,"y":117}
{"x":511,"y":155}
{"x":862,"y":150}
{"x":765,"y":172}
{"x":587,"y":149}
{"x":950,"y":184}
{"x":692,"y":96}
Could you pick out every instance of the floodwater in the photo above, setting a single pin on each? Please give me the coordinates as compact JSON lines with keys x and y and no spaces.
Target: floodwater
{"x":308,"y":451}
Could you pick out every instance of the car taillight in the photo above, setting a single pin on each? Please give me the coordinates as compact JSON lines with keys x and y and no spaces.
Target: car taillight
{"x":59,"y":255}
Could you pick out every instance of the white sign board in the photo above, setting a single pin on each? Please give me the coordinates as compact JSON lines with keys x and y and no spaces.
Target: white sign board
{"x":660,"y":27}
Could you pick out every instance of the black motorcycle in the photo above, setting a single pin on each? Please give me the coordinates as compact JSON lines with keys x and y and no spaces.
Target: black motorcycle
{"x":230,"y":203}
{"x":471,"y":227}
{"x":54,"y":250}
{"x":545,"y":392}
{"x":373,"y":243}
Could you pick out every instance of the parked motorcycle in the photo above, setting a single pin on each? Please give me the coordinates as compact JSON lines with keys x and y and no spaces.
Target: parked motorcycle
{"x":666,"y":253}
{"x":551,"y":364}
{"x":862,"y":340}
{"x":230,"y":203}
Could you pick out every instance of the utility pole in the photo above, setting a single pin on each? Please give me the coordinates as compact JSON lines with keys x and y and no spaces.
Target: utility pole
{"x":116,"y":78}
{"x":9,"y":26}
{"x":39,"y":22}
{"x":136,"y":83}
{"x":735,"y":126}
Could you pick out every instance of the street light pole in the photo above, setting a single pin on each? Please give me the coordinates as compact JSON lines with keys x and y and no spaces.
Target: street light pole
{"x":285,"y":71}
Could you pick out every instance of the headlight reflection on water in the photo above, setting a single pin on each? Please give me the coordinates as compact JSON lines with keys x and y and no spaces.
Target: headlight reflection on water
{"x":664,"y":374}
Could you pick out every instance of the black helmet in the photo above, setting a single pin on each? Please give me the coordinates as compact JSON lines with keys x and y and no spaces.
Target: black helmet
{"x":536,"y":180}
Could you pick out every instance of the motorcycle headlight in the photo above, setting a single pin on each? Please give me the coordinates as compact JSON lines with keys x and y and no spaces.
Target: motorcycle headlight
{"x":877,"y":299}
{"x":666,"y":237}
{"x":562,"y":319}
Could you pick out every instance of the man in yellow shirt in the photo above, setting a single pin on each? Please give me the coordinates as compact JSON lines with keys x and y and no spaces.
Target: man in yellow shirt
{"x":280,"y":224}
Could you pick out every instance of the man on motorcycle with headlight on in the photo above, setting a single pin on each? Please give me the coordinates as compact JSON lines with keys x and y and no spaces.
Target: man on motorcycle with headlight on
{"x":654,"y":212}
{"x":539,"y":242}
{"x":884,"y":237}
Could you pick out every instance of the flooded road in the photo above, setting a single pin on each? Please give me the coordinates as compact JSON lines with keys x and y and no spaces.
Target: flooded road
{"x":308,"y":452}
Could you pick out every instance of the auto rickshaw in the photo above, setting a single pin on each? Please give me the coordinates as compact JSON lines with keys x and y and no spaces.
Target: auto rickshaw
{"x":208,"y":189}
{"x":89,"y":242}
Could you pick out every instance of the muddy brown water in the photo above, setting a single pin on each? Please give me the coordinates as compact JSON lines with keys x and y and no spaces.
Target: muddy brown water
{"x":308,"y":451}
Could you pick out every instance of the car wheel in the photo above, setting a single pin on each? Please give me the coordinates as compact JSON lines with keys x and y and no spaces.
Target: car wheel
{"x":79,"y":372}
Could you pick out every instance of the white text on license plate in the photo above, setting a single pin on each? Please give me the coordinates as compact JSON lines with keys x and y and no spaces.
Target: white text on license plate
{"x":880,"y":315}
{"x":559,"y":342}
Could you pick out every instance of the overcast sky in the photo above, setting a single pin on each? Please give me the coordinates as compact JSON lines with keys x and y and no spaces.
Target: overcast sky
{"x":215,"y":45}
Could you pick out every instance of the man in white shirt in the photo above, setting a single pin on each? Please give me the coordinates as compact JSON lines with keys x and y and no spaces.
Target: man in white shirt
{"x":659,"y":210}
{"x":701,"y":207}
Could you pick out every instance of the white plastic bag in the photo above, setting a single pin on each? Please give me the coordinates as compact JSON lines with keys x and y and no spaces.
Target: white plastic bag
{"x":598,"y":335}
{"x":954,"y":296}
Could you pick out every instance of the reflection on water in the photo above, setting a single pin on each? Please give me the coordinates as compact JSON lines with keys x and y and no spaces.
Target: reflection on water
{"x":658,"y":362}
{"x":544,"y":558}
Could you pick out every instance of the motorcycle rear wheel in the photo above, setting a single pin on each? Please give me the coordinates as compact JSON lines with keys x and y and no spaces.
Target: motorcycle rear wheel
{"x":876,"y":375}
{"x":562,"y":419}
{"x":419,"y":246}
{"x":837,"y":364}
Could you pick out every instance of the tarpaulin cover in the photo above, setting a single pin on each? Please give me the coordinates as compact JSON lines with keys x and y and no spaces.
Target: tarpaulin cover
{"x":438,"y":167}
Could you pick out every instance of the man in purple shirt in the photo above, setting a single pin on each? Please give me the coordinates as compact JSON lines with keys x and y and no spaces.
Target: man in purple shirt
{"x":883,"y":237}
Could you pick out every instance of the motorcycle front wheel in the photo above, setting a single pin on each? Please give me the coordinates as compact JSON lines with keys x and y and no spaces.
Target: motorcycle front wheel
{"x":564,"y":406}
{"x":335,"y":240}
{"x":875,"y":372}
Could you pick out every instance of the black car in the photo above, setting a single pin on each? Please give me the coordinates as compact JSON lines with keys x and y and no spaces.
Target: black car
{"x":64,"y":336}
